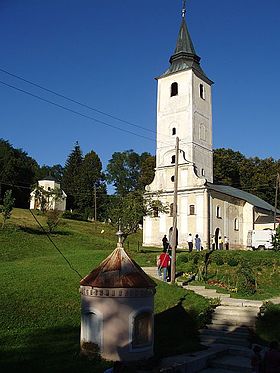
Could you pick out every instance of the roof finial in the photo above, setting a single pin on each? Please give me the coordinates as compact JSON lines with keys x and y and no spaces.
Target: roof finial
{"x":184,"y":9}
{"x":120,"y":235}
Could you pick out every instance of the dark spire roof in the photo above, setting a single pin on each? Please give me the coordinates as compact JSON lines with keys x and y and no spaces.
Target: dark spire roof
{"x":185,"y":56}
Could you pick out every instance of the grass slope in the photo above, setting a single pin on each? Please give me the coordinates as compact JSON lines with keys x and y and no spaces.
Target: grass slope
{"x":40,"y":301}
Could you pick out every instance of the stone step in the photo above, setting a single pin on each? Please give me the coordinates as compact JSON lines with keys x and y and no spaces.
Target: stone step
{"x":233,"y":310}
{"x":232,"y":363}
{"x":228,"y":340}
{"x":240,"y":351}
{"x":241,"y":302}
{"x":238,"y":321}
{"x":194,"y":287}
{"x":223,"y":333}
{"x":228,"y":328}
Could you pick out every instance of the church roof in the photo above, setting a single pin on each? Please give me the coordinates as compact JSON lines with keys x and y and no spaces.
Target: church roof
{"x":185,"y":57}
{"x":241,"y":194}
{"x":49,"y":178}
{"x":118,"y":270}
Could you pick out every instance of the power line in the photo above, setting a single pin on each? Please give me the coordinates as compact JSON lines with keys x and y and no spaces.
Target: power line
{"x":56,"y":247}
{"x":74,"y":111}
{"x":76,"y":101}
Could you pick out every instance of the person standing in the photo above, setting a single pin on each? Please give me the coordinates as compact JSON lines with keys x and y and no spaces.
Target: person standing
{"x":190,"y":242}
{"x":226,"y":243}
{"x":213,"y":243}
{"x":164,"y":263}
{"x":165,"y":242}
{"x":220,"y":242}
{"x":197,"y":242}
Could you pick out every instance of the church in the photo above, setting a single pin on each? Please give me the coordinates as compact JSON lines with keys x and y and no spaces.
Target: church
{"x":184,"y":112}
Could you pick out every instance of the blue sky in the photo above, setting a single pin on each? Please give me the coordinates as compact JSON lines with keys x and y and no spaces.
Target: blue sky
{"x":106,"y":54}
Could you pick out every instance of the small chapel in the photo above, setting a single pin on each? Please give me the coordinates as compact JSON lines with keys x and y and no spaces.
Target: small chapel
{"x":184,"y":111}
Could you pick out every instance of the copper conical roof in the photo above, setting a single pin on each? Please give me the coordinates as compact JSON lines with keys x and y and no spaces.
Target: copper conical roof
{"x":118,"y":270}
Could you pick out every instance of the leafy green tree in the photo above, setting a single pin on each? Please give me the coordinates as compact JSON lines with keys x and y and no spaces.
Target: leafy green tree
{"x":17,"y":172}
{"x":91,"y":182}
{"x":128,"y":211}
{"x":129,"y":171}
{"x":45,"y":198}
{"x":53,"y":219}
{"x":7,"y":208}
{"x":71,"y":181}
{"x":56,"y":171}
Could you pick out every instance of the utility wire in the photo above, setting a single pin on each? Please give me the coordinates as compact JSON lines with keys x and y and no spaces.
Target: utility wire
{"x":74,"y":111}
{"x":76,"y":102}
{"x":51,"y":240}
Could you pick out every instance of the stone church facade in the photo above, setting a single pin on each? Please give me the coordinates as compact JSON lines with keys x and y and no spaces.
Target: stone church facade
{"x":184,"y":110}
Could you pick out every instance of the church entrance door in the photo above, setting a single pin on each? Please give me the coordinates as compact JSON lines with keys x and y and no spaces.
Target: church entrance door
{"x":217,"y":235}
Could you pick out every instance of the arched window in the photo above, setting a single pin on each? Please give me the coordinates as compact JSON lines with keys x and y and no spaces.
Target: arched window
{"x":173,"y":158}
{"x":171,"y":209}
{"x":92,"y":327}
{"x":173,"y":131}
{"x":192,"y":210}
{"x":142,"y":330}
{"x":202,"y":172}
{"x":172,"y":179}
{"x":202,"y":91}
{"x":174,"y":89}
{"x":218,"y":212}
{"x":236,"y":224}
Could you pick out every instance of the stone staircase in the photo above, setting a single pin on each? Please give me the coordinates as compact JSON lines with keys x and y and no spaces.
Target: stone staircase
{"x":227,"y":337}
{"x":231,"y":326}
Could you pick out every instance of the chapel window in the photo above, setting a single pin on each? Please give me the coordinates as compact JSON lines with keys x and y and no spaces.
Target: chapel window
{"x":173,"y":131}
{"x":174,"y":89}
{"x":202,"y":172}
{"x":172,"y":179}
{"x":173,"y":159}
{"x":236,"y":224}
{"x":218,"y":212}
{"x":192,"y":210}
{"x":142,"y":330}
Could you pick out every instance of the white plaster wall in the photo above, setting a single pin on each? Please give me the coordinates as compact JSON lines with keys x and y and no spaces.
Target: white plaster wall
{"x":117,"y":325}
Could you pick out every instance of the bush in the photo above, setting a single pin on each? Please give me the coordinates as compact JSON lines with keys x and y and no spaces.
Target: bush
{"x":182,"y":259}
{"x":267,"y":325}
{"x":246,"y":279}
{"x":52,"y":219}
{"x":232,"y":262}
{"x":75,"y":215}
{"x":219,"y":261}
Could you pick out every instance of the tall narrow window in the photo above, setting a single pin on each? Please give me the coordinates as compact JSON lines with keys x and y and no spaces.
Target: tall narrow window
{"x":173,"y":131}
{"x":202,"y":172}
{"x":202,"y":91}
{"x":173,"y":158}
{"x":236,"y":224}
{"x":142,"y":330}
{"x":218,"y":212}
{"x":192,"y":210}
{"x":171,"y":209}
{"x":172,"y":179}
{"x":174,"y":89}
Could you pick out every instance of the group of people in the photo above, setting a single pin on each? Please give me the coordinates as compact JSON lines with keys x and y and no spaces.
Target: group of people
{"x":221,"y":244}
{"x":268,"y":362}
{"x":196,"y":244}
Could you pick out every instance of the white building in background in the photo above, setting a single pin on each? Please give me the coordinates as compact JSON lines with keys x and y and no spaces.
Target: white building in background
{"x":49,"y":185}
{"x":184,"y":110}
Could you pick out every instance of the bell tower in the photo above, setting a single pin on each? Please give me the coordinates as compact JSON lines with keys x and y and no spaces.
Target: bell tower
{"x":184,"y":109}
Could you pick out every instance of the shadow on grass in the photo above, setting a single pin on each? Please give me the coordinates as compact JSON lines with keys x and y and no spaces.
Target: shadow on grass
{"x":39,"y":231}
{"x":267,"y":324}
{"x":176,"y":331}
{"x":49,"y":350}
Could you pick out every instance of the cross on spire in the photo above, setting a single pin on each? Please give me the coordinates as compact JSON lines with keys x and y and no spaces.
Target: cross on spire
{"x":184,"y":9}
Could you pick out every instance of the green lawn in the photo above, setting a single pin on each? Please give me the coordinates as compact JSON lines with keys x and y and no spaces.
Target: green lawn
{"x":40,"y":301}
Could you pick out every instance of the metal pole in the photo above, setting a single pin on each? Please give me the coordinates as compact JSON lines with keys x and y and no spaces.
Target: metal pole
{"x":174,"y":225}
{"x":95,"y":208}
{"x":276,"y":198}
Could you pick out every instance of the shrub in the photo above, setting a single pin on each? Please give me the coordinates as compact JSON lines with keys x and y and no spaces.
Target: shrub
{"x":246,"y":279}
{"x":182,"y":259}
{"x":232,"y":262}
{"x":52,"y":219}
{"x":75,"y":215}
{"x":219,"y":261}
{"x":267,"y":325}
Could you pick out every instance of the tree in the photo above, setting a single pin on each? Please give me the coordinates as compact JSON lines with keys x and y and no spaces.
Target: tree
{"x":91,"y":182}
{"x":56,"y":171}
{"x":129,"y":171}
{"x":71,"y":176}
{"x":17,"y":172}
{"x":128,"y":211}
{"x":52,"y":219}
{"x":7,"y":208}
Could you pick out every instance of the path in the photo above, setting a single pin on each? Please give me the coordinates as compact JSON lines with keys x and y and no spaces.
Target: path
{"x":227,"y":337}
